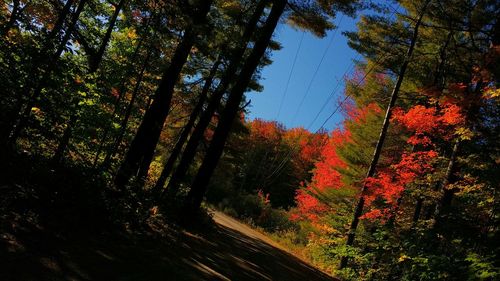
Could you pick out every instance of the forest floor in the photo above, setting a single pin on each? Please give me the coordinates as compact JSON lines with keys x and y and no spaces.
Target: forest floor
{"x":227,"y":250}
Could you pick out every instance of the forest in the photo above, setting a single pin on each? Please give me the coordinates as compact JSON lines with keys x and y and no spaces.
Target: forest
{"x":124,"y":126}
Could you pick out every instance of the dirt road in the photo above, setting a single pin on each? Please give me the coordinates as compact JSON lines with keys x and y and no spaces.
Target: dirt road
{"x":231,"y":251}
{"x":229,"y":222}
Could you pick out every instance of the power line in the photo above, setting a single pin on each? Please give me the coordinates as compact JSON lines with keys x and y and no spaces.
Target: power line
{"x":347,"y":96}
{"x":308,"y":89}
{"x":332,"y":93}
{"x":285,"y":91}
{"x":290,"y":75}
{"x":325,"y":52}
{"x":290,"y":152}
{"x":394,"y":11}
{"x":278,"y":169}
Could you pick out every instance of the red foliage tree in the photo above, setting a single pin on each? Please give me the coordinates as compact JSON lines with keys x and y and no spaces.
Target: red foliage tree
{"x":424,"y":124}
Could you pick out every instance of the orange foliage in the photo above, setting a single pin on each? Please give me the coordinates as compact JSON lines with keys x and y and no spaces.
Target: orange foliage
{"x":308,"y":207}
{"x":424,"y":122}
{"x":359,"y":115}
{"x":270,"y":131}
{"x":389,"y":184}
{"x":326,"y":173}
{"x":309,"y":144}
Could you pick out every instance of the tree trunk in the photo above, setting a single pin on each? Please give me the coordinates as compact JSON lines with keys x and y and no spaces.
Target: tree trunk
{"x":94,"y":66}
{"x":63,"y":144}
{"x":61,"y":19}
{"x":447,"y":196}
{"x":442,"y":206}
{"x":11,"y":133}
{"x":69,"y":31}
{"x":122,"y":89}
{"x":418,"y":210}
{"x":174,"y":154}
{"x":439,"y":82}
{"x":144,"y":143}
{"x":123,"y":125}
{"x":202,"y":178}
{"x":12,"y":19}
{"x":95,"y":62}
{"x":229,"y":75}
{"x":391,"y":221}
{"x":25,"y":114}
{"x":116,"y":105}
{"x":378,"y":149}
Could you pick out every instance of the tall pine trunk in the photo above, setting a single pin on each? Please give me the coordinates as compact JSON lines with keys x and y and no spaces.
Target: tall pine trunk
{"x":95,"y":62}
{"x":128,"y":111}
{"x":64,"y":141}
{"x":144,"y":143}
{"x":443,"y":205}
{"x":418,"y":209}
{"x":378,"y":149}
{"x":58,"y":26}
{"x":13,"y":18}
{"x":438,"y":81}
{"x":94,"y":65}
{"x":116,"y":105}
{"x":25,"y":113}
{"x":214,"y":102}
{"x":123,"y":85}
{"x":39,"y":61}
{"x":176,"y":151}
{"x":230,"y":112}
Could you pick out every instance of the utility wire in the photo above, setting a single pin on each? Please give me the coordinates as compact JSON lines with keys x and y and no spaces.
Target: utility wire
{"x":308,"y":89}
{"x":333,"y":92}
{"x":291,"y":150}
{"x":330,"y":43}
{"x":285,"y":91}
{"x":290,"y":75}
{"x":288,"y":156}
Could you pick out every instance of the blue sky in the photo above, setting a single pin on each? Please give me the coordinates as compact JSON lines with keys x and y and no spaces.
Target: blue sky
{"x":338,"y":58}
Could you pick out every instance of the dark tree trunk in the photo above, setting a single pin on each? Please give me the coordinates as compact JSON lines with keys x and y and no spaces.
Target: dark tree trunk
{"x":69,"y":31}
{"x":25,"y":114}
{"x":392,"y":217}
{"x":15,"y":122}
{"x":439,"y":82}
{"x":447,"y":196}
{"x":443,"y":205}
{"x":63,"y":143}
{"x":191,"y":147}
{"x":174,"y":154}
{"x":418,"y":210}
{"x":95,"y":62}
{"x":214,"y":152}
{"x":116,"y":105}
{"x":144,"y":143}
{"x":122,"y":89}
{"x":229,"y":75}
{"x":94,"y":66}
{"x":378,"y":149}
{"x":13,"y":18}
{"x":123,"y":125}
{"x":58,"y":26}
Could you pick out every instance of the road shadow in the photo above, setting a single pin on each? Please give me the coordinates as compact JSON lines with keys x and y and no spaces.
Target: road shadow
{"x":32,"y":253}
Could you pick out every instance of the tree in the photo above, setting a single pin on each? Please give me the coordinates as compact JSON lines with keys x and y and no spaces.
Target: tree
{"x":142,"y":147}
{"x":24,"y":114}
{"x":174,"y":154}
{"x":376,"y":155}
{"x":214,"y":101}
{"x":95,"y":58}
{"x":198,"y":188}
{"x":315,"y":12}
